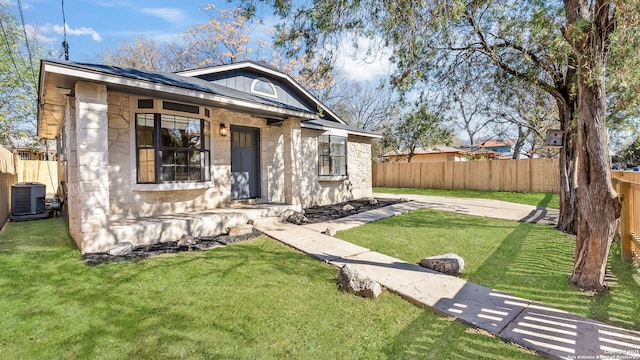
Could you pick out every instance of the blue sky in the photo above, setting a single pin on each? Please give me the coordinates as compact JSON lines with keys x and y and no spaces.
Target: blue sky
{"x":95,"y":25}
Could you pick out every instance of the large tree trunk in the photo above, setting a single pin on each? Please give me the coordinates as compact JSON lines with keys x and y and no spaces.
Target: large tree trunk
{"x":598,"y":205}
{"x":568,"y":219}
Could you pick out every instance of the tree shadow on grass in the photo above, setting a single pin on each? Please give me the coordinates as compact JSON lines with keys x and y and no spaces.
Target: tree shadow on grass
{"x":546,"y":200}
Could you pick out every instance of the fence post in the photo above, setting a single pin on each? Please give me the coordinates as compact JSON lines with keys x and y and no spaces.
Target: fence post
{"x":624,"y":193}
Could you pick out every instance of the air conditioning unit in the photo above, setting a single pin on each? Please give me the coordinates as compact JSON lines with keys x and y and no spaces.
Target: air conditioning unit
{"x":28,"y":201}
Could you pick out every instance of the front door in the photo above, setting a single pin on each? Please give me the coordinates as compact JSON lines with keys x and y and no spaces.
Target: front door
{"x":245,"y":163}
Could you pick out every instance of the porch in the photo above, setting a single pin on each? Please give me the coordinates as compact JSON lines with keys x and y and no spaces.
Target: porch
{"x":163,"y":228}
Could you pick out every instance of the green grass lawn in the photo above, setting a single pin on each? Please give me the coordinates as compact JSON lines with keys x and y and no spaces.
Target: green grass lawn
{"x":550,"y":200}
{"x":526,"y":260}
{"x":252,"y":300}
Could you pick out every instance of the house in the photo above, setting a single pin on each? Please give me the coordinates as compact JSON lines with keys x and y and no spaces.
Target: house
{"x":504,"y":148}
{"x":431,"y":154}
{"x":146,"y":155}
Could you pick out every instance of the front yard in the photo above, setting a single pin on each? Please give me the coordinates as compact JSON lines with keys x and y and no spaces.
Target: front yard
{"x":256,"y":299}
{"x":260,"y":299}
{"x":529,"y":261}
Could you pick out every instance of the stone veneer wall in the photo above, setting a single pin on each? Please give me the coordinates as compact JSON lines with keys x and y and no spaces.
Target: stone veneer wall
{"x":89,"y":185}
{"x":356,"y":186}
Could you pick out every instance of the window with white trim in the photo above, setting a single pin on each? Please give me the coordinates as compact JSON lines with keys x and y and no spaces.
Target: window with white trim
{"x":332,"y":155}
{"x":262,"y":86}
{"x":171,"y":148}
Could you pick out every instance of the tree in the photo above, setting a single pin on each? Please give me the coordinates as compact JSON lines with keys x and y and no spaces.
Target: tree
{"x":587,"y":29}
{"x":226,"y":38}
{"x":530,"y":112}
{"x":559,"y":47}
{"x":417,"y":128}
{"x":362,"y":105}
{"x":148,"y":54}
{"x":18,"y":81}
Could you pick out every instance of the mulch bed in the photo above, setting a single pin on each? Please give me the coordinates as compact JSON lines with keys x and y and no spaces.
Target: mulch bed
{"x":169,"y":247}
{"x":317,"y":214}
{"x":313,"y":214}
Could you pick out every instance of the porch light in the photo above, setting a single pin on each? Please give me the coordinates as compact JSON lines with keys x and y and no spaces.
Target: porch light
{"x":223,"y":130}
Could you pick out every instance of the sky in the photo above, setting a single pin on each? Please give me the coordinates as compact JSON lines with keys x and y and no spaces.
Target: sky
{"x":95,"y":25}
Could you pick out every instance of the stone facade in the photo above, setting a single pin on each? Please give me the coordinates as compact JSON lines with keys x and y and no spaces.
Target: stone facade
{"x":318,"y":191}
{"x":101,"y":168}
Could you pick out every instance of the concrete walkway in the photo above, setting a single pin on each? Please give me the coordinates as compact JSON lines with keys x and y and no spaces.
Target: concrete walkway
{"x":548,"y":331}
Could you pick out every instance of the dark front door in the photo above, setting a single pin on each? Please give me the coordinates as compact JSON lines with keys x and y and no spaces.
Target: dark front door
{"x":245,"y":163}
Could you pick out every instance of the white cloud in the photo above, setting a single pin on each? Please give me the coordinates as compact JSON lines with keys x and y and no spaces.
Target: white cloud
{"x":368,"y":61}
{"x":34,"y":32}
{"x":170,"y":15}
{"x":57,"y":29}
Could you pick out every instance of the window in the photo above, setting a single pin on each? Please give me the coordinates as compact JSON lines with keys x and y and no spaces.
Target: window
{"x":332,"y":160}
{"x":171,"y":148}
{"x":24,"y":155}
{"x":262,"y":86}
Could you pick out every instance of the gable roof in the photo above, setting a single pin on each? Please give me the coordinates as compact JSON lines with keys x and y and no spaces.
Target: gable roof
{"x":264,"y":68}
{"x":497,"y":143}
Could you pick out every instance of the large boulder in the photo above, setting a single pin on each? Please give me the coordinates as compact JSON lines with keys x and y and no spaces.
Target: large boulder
{"x":450,"y":264}
{"x":351,"y":281}
{"x":186,"y":240}
{"x":122,"y":248}
{"x":330,"y":231}
{"x":240,"y":229}
{"x":297,"y":218}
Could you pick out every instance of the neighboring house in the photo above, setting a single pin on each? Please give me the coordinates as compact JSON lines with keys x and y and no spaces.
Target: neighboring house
{"x":34,"y":154}
{"x":28,"y":148}
{"x":504,"y":148}
{"x":432,"y":154}
{"x":138,"y":144}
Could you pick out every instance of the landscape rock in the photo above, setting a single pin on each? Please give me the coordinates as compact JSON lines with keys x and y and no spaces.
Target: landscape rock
{"x":240,"y":229}
{"x":351,"y":281}
{"x":373,"y":201}
{"x":450,"y":264}
{"x":122,"y":248}
{"x":330,"y":231}
{"x":348,"y":207}
{"x":186,"y":240}
{"x":297,"y":218}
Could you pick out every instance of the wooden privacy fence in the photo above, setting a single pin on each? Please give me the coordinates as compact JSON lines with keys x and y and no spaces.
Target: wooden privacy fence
{"x":530,"y":175}
{"x":40,"y":171}
{"x":627,"y":184}
{"x":8,"y":177}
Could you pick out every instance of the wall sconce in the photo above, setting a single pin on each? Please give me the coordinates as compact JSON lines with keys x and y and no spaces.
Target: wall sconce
{"x":223,"y":130}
